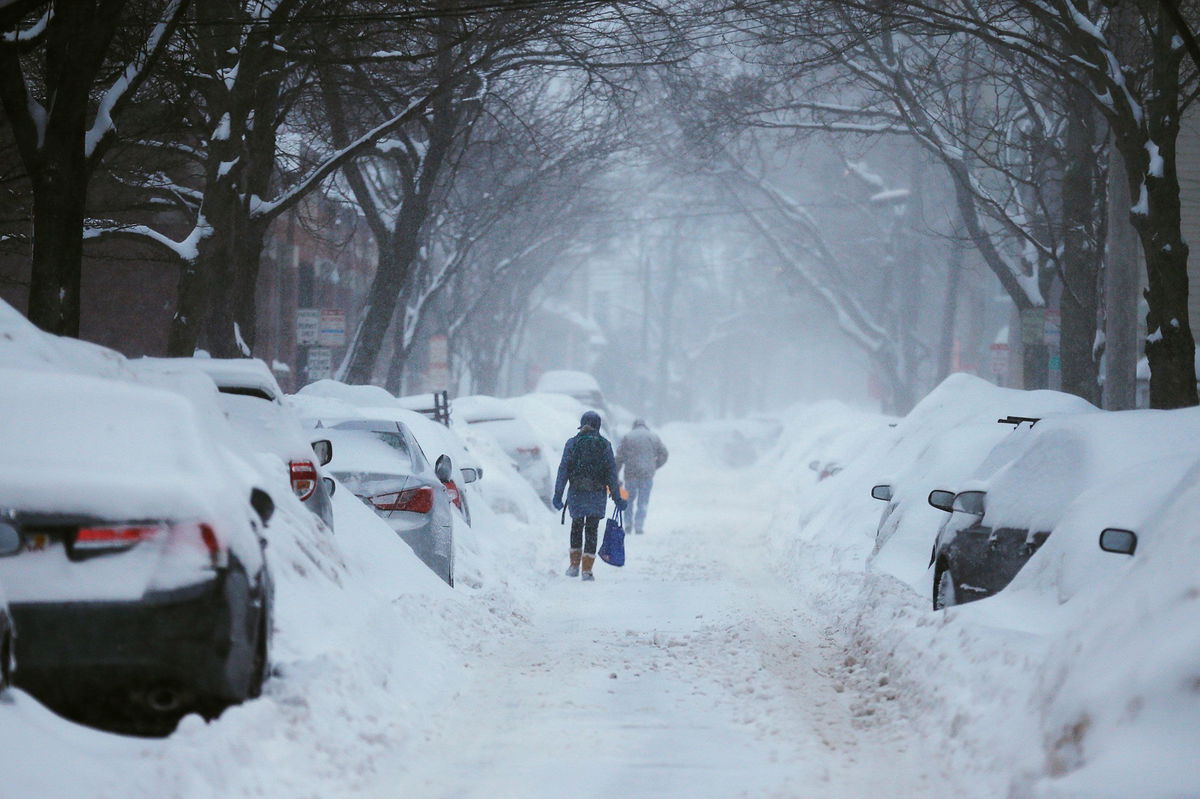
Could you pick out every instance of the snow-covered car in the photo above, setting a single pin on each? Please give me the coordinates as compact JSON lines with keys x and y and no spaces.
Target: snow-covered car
{"x":1031,"y":481}
{"x":580,"y":385}
{"x":381,"y":463}
{"x":500,"y":421}
{"x":253,"y":402}
{"x":140,"y":590}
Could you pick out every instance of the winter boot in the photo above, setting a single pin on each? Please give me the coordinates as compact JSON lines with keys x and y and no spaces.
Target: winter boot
{"x":573,"y":569}
{"x":588,"y":560}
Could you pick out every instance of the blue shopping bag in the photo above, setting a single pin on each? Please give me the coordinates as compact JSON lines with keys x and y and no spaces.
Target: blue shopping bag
{"x":612,"y":548}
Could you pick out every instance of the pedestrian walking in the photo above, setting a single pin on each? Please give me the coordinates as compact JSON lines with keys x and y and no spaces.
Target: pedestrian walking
{"x":642,"y":453}
{"x":590,"y":468}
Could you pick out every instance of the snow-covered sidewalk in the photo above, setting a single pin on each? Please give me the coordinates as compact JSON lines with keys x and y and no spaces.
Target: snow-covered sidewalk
{"x":694,"y":671}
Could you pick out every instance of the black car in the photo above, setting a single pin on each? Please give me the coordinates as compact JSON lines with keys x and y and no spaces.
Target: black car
{"x":140,"y":588}
{"x":970,"y":559}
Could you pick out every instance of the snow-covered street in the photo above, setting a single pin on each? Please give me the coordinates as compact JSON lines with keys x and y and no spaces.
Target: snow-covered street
{"x":696,"y":670}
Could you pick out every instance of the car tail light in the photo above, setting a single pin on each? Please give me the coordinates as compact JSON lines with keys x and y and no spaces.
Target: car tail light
{"x":414,"y":500}
{"x":115,"y":537}
{"x":196,"y":537}
{"x":454,"y":494}
{"x":304,"y":478}
{"x":532,"y":452}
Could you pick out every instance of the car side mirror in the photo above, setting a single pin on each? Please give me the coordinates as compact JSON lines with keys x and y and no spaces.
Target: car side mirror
{"x":471,"y":474}
{"x":330,"y":485}
{"x":1122,"y":542}
{"x":323,"y":449}
{"x":263,"y":505}
{"x":10,"y":540}
{"x":444,"y":469}
{"x":942,"y":499}
{"x":882,"y":492}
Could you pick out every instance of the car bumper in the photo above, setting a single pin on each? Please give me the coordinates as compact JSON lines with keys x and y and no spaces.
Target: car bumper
{"x":184,"y":639}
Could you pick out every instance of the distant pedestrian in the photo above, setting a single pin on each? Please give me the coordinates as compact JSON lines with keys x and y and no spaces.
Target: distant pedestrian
{"x":590,"y":468}
{"x":642,"y":453}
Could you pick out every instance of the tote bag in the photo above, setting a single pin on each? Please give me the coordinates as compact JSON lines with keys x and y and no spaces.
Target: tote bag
{"x":612,"y":548}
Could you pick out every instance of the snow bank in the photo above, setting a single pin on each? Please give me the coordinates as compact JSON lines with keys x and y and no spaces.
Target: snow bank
{"x":1077,"y":680}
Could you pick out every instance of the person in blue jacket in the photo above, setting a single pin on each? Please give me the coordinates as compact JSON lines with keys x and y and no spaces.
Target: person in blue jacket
{"x":590,"y":468}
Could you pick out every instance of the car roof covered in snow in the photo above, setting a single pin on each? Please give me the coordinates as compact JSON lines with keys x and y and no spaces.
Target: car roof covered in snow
{"x":366,"y":396}
{"x":566,"y":381}
{"x":80,"y":444}
{"x":1032,"y":478}
{"x":250,"y":374}
{"x":482,"y":408}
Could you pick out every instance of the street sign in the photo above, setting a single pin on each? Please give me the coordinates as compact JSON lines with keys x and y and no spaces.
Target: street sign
{"x":320,"y":364}
{"x":333,"y":328}
{"x":308,"y":326}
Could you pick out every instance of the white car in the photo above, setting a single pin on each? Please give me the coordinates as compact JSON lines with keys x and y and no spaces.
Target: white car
{"x":500,"y":421}
{"x":253,"y":402}
{"x":580,"y":385}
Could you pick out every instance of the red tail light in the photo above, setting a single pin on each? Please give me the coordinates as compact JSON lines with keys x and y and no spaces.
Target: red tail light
{"x":188,"y":535}
{"x":454,"y":494}
{"x":531,"y":451}
{"x":117,"y":537}
{"x":304,"y":478}
{"x":414,"y":500}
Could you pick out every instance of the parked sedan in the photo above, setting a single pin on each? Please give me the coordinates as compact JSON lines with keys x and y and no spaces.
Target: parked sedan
{"x":382,"y":464}
{"x":140,"y":589}
{"x":253,"y":402}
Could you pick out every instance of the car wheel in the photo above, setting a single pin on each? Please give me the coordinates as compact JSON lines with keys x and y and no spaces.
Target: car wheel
{"x":945,"y":594}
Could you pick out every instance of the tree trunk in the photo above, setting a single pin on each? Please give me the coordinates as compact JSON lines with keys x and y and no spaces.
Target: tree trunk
{"x":1121,"y":281}
{"x":1081,"y":254}
{"x":395,"y":256}
{"x":58,"y":209}
{"x":1170,"y":347}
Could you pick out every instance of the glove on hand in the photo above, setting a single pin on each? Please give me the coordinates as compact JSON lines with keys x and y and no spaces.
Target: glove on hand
{"x":621,"y":504}
{"x":557,"y":503}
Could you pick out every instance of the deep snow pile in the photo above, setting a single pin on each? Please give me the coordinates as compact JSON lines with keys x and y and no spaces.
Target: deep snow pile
{"x":1064,"y":683}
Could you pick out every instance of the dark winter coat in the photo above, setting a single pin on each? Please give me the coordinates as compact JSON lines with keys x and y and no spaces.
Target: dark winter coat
{"x":587,"y":503}
{"x":642,"y":453}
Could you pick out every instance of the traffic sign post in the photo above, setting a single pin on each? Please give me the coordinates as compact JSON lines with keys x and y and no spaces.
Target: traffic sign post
{"x":308,"y":326}
{"x":320,"y":364}
{"x":332,"y":331}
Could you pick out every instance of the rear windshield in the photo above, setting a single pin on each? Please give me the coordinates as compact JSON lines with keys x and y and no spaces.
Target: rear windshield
{"x":394,"y":438}
{"x":243,"y":391}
